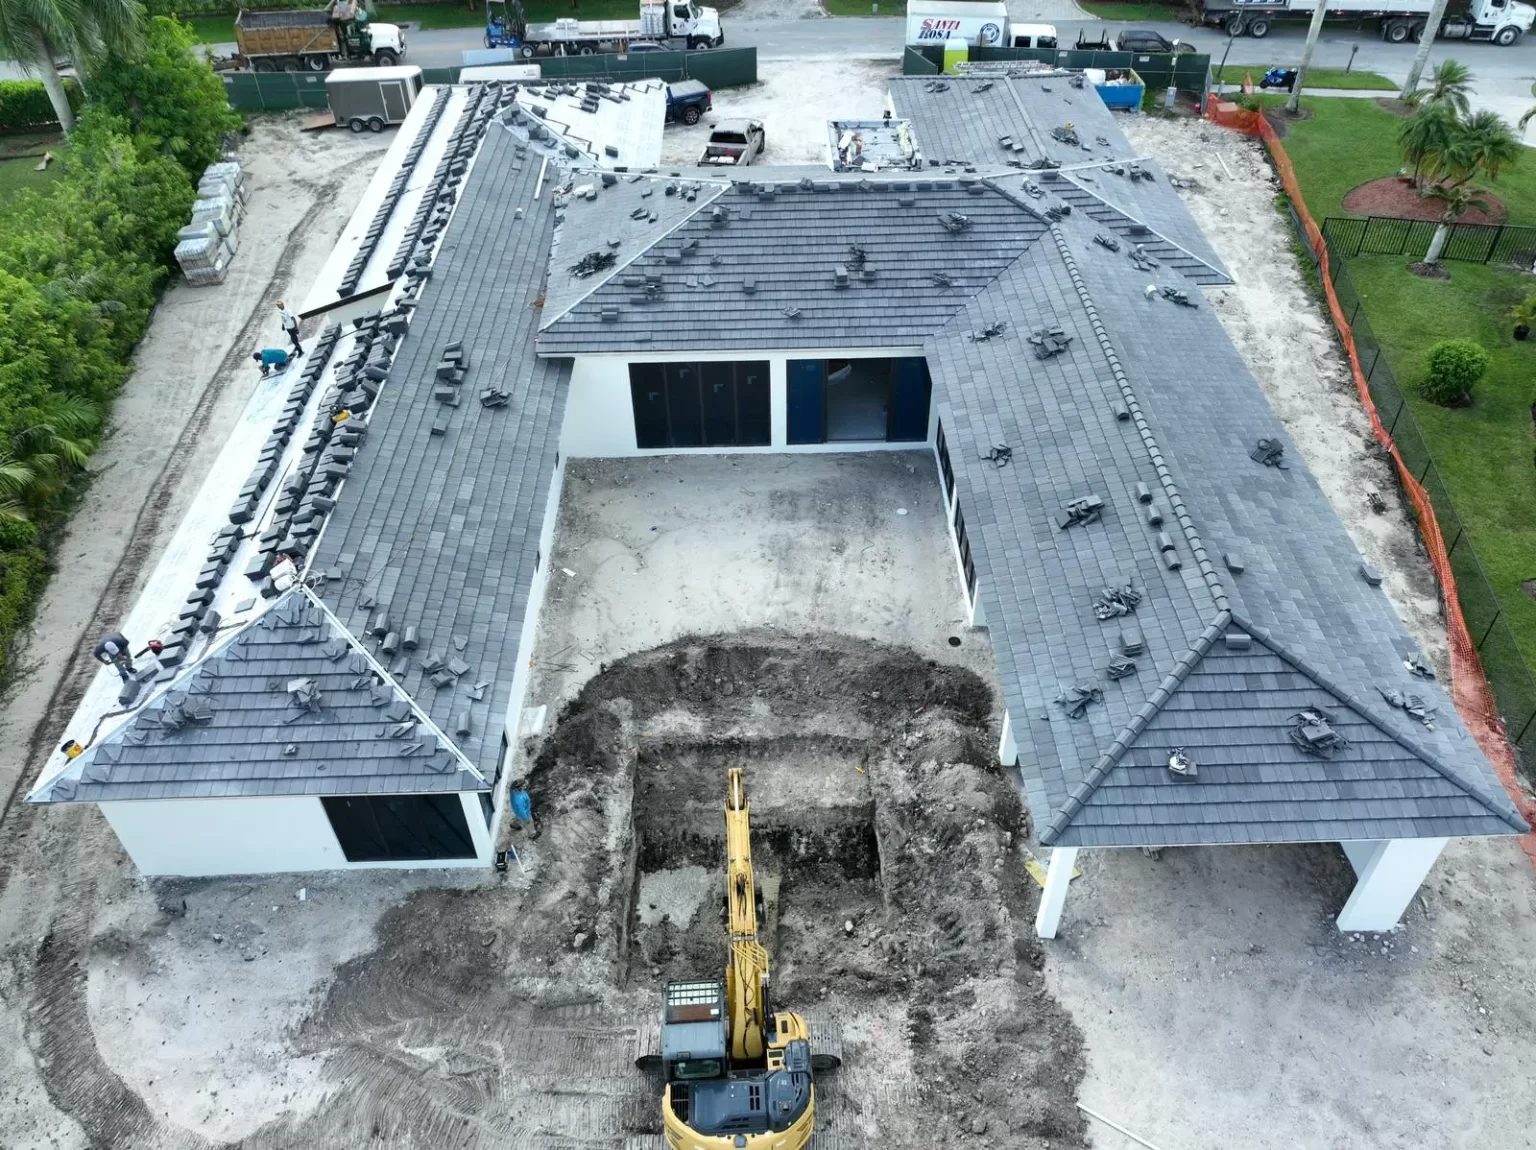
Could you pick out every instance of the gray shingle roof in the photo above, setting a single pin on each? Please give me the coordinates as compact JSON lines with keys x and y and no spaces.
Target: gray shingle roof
{"x":1253,"y":786}
{"x":236,"y":724}
{"x":442,"y":531}
{"x":1191,"y":413}
{"x":787,"y":244}
{"x":965,"y":120}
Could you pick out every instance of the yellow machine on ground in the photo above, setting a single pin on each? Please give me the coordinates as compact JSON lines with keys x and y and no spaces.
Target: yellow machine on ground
{"x":737,"y":1074}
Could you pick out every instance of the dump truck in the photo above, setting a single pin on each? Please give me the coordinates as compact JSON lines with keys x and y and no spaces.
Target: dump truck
{"x":1500,"y":22}
{"x":315,"y":40}
{"x":679,"y":24}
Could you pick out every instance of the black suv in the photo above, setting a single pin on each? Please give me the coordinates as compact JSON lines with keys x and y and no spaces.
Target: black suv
{"x":1145,"y":40}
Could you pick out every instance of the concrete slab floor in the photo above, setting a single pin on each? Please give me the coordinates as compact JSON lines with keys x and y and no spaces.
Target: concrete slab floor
{"x":1221,"y":1007}
{"x":651,"y":549}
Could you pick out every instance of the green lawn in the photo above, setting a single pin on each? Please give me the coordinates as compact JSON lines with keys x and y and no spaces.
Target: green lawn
{"x":1137,"y":13}
{"x":1316,"y":77}
{"x":16,"y":173}
{"x":1484,"y":453}
{"x":865,"y":7}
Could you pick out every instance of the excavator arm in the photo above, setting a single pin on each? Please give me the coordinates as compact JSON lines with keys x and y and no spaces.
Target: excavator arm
{"x":746,"y":978}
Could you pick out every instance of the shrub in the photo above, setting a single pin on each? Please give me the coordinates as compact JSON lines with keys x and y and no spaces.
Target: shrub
{"x":1455,"y":365}
{"x":24,"y":106}
{"x":1525,"y":311}
{"x":22,"y":575}
{"x":168,"y":95}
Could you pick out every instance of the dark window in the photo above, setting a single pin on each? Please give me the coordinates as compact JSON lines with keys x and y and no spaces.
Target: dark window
{"x":754,"y":419}
{"x":648,"y":392}
{"x":487,"y":808}
{"x":720,"y":404}
{"x":946,"y":469}
{"x":683,"y":405}
{"x":964,"y":543}
{"x":400,"y":828}
{"x":718,"y":381}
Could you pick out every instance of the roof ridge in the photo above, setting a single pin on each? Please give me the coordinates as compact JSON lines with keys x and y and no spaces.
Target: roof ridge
{"x":596,"y":282}
{"x":1368,"y":712}
{"x":1133,"y":405}
{"x":1133,"y":729}
{"x":1107,"y":202}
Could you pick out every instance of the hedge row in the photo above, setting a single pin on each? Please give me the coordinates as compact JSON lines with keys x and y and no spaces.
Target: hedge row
{"x":81,"y":266}
{"x":24,"y":106}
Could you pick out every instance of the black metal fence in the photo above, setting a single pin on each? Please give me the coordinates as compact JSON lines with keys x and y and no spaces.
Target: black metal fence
{"x":1509,"y":675}
{"x":1513,"y":244}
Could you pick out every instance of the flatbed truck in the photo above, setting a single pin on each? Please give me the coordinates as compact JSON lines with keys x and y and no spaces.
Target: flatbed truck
{"x":1499,"y":22}
{"x":679,"y":24}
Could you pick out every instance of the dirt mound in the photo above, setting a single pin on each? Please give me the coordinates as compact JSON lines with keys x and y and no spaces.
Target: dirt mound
{"x":1390,"y":196}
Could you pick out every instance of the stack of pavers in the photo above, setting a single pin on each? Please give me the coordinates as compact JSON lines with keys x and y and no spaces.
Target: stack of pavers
{"x":365,"y":250}
{"x":206,"y":245}
{"x":431,"y":216}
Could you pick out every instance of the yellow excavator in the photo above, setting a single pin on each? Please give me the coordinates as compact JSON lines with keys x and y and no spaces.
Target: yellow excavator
{"x":737,"y":1074}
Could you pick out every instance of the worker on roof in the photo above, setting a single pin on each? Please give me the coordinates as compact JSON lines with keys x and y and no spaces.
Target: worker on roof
{"x":269,"y":358}
{"x":116,"y":652}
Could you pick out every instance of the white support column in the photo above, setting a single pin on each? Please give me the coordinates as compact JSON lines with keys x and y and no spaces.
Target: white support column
{"x":1007,"y":749}
{"x":1390,"y":871}
{"x":1057,"y":876}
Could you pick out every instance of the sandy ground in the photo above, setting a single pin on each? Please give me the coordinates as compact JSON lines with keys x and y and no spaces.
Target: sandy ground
{"x":192,"y":381}
{"x":794,"y":100}
{"x":380,"y":1009}
{"x":1220,"y":1005}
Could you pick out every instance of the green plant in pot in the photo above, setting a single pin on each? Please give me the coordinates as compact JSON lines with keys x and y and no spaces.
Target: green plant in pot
{"x":1524,"y":315}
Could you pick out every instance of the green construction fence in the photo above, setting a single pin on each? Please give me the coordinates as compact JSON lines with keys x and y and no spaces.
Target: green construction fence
{"x":715,"y":67}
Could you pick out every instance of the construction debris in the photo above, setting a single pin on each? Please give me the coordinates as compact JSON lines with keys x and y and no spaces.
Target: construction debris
{"x":1313,"y":734}
{"x":1000,"y":455}
{"x":1077,"y":698}
{"x":1049,"y":341}
{"x":1180,"y":765}
{"x":990,"y":331}
{"x":1084,"y":510}
{"x":1269,"y":452}
{"x":1113,"y":602}
{"x":1106,"y":241}
{"x":1178,"y":296}
{"x":1067,"y":134}
{"x":954,"y":222}
{"x":592,"y":263}
{"x":1414,"y":705}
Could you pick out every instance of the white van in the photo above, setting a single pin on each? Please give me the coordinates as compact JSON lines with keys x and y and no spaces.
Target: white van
{"x":1031,"y":35}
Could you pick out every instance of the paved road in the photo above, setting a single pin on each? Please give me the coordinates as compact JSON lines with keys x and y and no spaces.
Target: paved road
{"x":1503,"y":75}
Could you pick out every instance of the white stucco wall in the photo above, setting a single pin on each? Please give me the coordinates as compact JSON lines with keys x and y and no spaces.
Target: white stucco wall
{"x":600,"y":418}
{"x":259,"y":835}
{"x":518,"y":700}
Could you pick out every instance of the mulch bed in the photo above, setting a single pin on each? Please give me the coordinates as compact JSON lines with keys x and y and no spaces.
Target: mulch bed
{"x":1429,"y":271}
{"x":1390,"y":196}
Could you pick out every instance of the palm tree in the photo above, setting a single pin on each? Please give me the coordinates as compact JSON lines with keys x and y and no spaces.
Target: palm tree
{"x":41,"y":457}
{"x":1530,"y":114}
{"x":1479,"y":145}
{"x":1450,"y":83}
{"x":1425,"y":136}
{"x":33,"y":32}
{"x":1459,"y":199}
{"x":1431,"y":28}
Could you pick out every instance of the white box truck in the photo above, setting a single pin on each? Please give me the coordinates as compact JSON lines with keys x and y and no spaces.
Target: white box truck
{"x":981,"y":23}
{"x":1498,"y":21}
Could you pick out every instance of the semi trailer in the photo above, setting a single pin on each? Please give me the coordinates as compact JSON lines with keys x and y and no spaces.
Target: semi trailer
{"x":1497,"y":21}
{"x":674,"y":24}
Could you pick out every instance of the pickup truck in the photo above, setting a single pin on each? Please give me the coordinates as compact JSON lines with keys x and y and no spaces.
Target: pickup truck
{"x":734,"y":143}
{"x":687,"y":100}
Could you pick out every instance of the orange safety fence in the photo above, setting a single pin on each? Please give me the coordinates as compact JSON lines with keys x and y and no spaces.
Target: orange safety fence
{"x":1469,"y":688}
